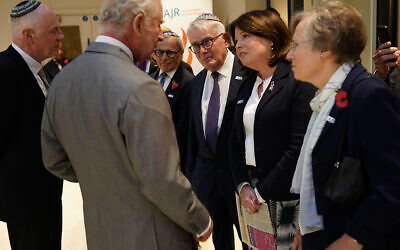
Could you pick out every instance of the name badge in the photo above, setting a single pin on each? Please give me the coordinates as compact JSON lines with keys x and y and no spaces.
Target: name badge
{"x":238,"y":78}
{"x":170,"y":96}
{"x":240,"y":102}
{"x":330,"y":119}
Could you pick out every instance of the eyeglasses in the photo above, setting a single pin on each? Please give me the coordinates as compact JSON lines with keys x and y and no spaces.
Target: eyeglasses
{"x":206,"y":44}
{"x":170,"y":53}
{"x":294,"y":45}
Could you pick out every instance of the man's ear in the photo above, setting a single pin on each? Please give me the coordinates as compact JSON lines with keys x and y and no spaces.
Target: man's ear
{"x":138,"y":24}
{"x":225,"y":36}
{"x":28,"y":34}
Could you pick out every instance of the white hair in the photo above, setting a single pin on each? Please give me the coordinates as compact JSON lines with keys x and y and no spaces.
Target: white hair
{"x":115,"y":12}
{"x":174,"y":35}
{"x":208,"y":25}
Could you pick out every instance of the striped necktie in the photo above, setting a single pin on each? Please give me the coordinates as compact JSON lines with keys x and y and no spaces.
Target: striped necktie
{"x":42,"y":76}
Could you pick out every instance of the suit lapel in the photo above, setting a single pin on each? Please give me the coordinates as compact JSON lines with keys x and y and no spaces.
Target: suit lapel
{"x":26,"y":74}
{"x":275,"y":85}
{"x":235,"y":83}
{"x":336,"y":112}
{"x":155,"y":74}
{"x":197,"y":93}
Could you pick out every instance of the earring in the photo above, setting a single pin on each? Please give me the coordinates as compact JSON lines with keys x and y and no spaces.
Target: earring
{"x":272,"y":47}
{"x":320,"y":55}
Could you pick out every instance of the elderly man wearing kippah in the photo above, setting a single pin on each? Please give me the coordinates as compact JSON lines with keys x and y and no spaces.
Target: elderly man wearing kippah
{"x":213,"y":99}
{"x":30,"y":197}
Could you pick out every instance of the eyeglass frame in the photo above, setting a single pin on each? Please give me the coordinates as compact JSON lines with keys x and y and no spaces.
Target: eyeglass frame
{"x":202,"y":43}
{"x":170,"y":53}
{"x":294,"y":45}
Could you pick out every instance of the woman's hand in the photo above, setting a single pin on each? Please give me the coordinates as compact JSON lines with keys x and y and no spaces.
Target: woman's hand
{"x":345,"y":243}
{"x":249,"y":199}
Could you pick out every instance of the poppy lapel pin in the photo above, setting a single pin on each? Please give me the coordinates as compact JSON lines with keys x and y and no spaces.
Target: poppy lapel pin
{"x":341,"y":98}
{"x":174,"y":85}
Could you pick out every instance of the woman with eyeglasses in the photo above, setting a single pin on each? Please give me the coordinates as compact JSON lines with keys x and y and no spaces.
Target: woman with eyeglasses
{"x":271,"y":117}
{"x":354,"y":130}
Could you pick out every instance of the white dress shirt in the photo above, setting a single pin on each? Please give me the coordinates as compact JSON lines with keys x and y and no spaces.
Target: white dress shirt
{"x":115,"y":42}
{"x":249,"y":115}
{"x":168,"y":78}
{"x":33,"y":65}
{"x":224,"y":79}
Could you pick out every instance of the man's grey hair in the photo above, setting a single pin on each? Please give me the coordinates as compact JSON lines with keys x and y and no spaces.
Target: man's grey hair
{"x":30,"y":20}
{"x":209,"y":25}
{"x":167,"y":34}
{"x":117,"y":11}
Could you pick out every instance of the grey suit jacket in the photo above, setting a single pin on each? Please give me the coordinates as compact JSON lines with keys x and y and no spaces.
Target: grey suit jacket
{"x":108,"y":126}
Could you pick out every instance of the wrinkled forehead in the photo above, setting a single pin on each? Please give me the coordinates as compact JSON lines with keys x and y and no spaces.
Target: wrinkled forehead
{"x":199,"y":34}
{"x":168,"y":43}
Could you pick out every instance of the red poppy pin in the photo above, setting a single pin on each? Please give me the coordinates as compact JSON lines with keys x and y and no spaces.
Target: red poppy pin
{"x":341,"y":99}
{"x":175,"y":85}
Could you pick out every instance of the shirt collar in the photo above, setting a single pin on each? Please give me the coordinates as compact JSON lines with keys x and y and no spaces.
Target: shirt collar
{"x":33,"y":65}
{"x":115,"y":42}
{"x":170,"y":74}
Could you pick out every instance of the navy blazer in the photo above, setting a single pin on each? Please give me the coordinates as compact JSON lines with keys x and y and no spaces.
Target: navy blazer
{"x":202,"y":165}
{"x":280,"y":124}
{"x":27,"y":189}
{"x":373,"y":137}
{"x":178,"y":95}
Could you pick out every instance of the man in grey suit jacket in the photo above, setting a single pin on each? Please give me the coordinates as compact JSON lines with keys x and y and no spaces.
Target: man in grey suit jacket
{"x":108,"y":126}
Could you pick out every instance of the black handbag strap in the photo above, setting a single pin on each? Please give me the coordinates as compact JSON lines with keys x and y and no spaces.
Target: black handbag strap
{"x":346,"y":119}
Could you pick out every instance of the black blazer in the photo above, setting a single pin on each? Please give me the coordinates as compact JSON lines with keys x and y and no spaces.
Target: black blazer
{"x":178,"y":94}
{"x":203,"y":166}
{"x":27,"y":189}
{"x":280,"y":123}
{"x":373,"y":137}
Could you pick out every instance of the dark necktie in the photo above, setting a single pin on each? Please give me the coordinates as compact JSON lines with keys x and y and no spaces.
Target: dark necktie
{"x":162,"y":78}
{"x":212,"y":116}
{"x":142,"y":66}
{"x":42,"y":76}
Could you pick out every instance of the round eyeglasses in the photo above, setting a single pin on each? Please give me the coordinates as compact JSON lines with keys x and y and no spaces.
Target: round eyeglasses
{"x":206,"y":44}
{"x":170,"y":53}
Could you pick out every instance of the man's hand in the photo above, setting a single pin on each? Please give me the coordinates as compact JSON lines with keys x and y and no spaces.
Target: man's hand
{"x":207,"y":234}
{"x":381,"y":58}
{"x":345,"y":243}
{"x":249,"y":199}
{"x":297,"y":242}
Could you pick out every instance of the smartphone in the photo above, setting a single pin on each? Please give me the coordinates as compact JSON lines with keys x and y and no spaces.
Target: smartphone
{"x":383,"y":36}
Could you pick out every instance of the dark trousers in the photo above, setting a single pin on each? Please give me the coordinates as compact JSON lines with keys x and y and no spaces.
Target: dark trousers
{"x":34,"y":234}
{"x":222,"y":208}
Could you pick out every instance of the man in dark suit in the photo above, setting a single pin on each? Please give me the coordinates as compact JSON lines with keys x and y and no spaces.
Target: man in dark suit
{"x":175,"y":80}
{"x":56,"y":63}
{"x":213,"y":98}
{"x":30,"y":197}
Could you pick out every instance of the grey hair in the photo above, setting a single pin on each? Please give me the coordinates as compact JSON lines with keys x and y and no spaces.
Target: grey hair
{"x":202,"y":24}
{"x":117,"y":11}
{"x":168,"y":34}
{"x":336,"y":26}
